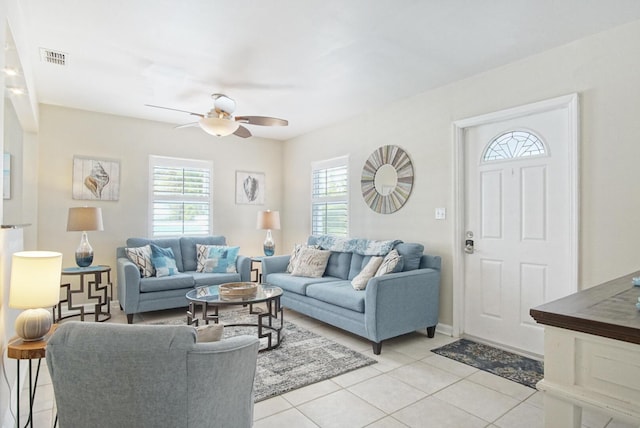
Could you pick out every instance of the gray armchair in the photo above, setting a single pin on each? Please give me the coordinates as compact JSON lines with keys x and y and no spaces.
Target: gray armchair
{"x":116,"y":375}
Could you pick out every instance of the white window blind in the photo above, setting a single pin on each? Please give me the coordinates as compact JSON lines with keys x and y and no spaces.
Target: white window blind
{"x":330,"y":197}
{"x":180,"y":197}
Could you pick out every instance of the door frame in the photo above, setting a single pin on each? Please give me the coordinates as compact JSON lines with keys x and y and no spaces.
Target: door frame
{"x":566,"y":102}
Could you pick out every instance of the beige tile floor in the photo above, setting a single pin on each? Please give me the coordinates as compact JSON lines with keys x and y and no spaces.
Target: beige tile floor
{"x":409,"y":387}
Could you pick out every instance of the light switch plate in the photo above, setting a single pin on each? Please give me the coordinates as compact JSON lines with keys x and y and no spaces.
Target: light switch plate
{"x":441,"y":213}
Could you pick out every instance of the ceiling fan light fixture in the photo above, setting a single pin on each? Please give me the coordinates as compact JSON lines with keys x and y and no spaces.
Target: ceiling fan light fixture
{"x":218,"y":126}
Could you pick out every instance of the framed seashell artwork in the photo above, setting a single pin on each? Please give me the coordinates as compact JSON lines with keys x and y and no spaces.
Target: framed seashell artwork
{"x":96,"y":179}
{"x":249,"y":187}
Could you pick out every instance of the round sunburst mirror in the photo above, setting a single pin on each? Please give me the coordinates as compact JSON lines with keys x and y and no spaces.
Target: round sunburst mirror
{"x":387,"y":179}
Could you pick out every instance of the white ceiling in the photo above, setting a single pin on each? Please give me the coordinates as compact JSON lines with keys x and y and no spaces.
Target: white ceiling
{"x":313,"y":62}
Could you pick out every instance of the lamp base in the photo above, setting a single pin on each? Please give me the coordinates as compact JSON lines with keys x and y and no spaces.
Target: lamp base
{"x":84,"y":252}
{"x":269,"y":250}
{"x":84,"y":259}
{"x":269,"y":246}
{"x":33,"y":324}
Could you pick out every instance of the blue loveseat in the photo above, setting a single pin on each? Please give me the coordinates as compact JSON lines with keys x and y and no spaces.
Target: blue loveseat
{"x":391,"y":305}
{"x":137,"y":294}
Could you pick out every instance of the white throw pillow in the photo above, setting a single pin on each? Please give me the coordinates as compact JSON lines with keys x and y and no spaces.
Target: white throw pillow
{"x":295,"y":255}
{"x":209,"y":333}
{"x":311,"y":263}
{"x":390,"y":263}
{"x":361,"y":280}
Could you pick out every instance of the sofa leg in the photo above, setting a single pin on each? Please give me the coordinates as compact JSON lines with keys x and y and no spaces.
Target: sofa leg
{"x":377,"y":347}
{"x":129,"y":318}
{"x":431,"y":331}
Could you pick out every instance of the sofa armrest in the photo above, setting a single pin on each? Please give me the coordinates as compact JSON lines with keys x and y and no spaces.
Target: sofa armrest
{"x":401,"y":302}
{"x":274,"y":264}
{"x":128,"y":285}
{"x":243,"y":266}
{"x":429,"y":261}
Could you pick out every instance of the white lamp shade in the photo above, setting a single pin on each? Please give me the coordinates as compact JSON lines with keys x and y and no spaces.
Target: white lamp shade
{"x":82,"y":219}
{"x":218,"y":126}
{"x":35,"y":279}
{"x":268,"y":220}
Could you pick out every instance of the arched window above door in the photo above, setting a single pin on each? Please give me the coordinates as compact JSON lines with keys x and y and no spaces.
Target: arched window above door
{"x":514,"y":144}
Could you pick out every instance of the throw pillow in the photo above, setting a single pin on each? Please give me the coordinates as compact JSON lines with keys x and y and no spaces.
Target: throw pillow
{"x":141,"y":257}
{"x":163,"y":261}
{"x":311,"y":263}
{"x":411,"y":255}
{"x":392,"y":263}
{"x":209,"y":333}
{"x":295,"y":255}
{"x":361,"y":280}
{"x":217,"y":258}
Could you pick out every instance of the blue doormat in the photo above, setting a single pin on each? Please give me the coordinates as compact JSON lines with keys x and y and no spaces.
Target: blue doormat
{"x":523,"y":370}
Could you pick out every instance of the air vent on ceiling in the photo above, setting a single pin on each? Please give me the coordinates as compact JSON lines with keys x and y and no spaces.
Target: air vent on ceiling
{"x":53,"y":57}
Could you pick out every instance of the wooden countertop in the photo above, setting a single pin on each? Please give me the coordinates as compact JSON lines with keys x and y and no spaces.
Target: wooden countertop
{"x":607,"y":310}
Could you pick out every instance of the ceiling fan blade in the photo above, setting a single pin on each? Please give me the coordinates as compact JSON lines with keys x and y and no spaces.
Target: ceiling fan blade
{"x":175,"y":109}
{"x":187,"y":125}
{"x":262,"y":120}
{"x":242,"y":132}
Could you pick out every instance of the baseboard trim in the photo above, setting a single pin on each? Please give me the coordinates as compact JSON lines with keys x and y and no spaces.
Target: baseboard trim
{"x":445,"y":329}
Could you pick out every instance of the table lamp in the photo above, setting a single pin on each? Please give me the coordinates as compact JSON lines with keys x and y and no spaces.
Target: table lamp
{"x":83,"y":219}
{"x":35,"y":284}
{"x":269,"y":220}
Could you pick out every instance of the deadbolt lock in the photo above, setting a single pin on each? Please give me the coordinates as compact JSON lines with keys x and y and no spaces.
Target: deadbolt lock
{"x":468,"y":243}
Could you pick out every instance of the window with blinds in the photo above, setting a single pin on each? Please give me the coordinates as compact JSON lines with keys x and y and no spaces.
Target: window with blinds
{"x":180,"y":197}
{"x":330,"y":197}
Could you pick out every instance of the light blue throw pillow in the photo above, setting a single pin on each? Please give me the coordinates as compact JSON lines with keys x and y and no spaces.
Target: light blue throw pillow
{"x":411,"y":255}
{"x":163,"y":261}
{"x":217,"y":258}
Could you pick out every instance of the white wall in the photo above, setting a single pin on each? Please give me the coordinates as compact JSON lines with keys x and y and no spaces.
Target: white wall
{"x":22,"y":208}
{"x":13,"y":143}
{"x":603,"y":69}
{"x":67,"y":132}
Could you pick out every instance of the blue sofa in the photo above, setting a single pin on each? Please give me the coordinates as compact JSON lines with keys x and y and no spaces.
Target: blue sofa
{"x":391,"y":305}
{"x":137,"y":294}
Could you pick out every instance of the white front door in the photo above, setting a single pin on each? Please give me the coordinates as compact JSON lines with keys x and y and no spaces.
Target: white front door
{"x":518,"y":213}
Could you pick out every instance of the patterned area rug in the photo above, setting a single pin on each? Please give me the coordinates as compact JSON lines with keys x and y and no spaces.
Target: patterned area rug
{"x":517,"y":368}
{"x":302,"y":358}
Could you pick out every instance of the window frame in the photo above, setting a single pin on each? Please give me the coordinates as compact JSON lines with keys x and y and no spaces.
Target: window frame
{"x":341,"y":161}
{"x":493,"y":141}
{"x":173,"y":162}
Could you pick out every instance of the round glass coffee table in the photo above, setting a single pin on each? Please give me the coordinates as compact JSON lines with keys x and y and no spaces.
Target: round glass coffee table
{"x":269,"y":322}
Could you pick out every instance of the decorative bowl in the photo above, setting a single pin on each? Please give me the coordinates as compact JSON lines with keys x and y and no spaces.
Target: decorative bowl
{"x":237,"y":290}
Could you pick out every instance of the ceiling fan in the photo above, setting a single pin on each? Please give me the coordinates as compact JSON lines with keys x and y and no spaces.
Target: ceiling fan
{"x":219,"y":121}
